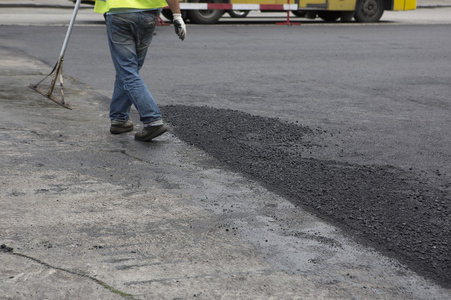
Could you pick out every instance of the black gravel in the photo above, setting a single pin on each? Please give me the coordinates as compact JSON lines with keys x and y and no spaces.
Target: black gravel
{"x":381,"y":206}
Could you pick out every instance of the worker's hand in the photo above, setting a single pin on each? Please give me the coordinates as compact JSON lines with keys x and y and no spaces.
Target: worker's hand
{"x":179,"y":26}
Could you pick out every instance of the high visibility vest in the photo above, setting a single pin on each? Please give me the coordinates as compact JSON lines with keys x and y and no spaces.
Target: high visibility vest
{"x":104,"y":6}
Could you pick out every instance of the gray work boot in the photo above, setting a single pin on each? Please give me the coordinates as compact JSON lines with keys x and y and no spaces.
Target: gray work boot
{"x":120,"y":126}
{"x":150,"y":132}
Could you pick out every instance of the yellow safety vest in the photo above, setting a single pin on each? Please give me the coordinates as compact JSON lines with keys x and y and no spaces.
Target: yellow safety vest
{"x":104,"y":6}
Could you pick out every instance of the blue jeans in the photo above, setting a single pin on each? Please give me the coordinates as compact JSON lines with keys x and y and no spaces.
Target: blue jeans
{"x":129,"y":36}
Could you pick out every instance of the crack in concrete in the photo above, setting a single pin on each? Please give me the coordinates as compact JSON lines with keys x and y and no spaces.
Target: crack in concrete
{"x":9,"y":250}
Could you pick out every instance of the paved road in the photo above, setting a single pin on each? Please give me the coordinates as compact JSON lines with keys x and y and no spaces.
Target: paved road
{"x":169,"y":220}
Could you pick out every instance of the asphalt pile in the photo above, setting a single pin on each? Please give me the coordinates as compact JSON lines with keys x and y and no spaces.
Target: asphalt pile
{"x":385,"y":207}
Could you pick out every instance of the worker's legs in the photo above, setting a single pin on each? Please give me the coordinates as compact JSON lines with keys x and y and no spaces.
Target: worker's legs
{"x":129,"y":36}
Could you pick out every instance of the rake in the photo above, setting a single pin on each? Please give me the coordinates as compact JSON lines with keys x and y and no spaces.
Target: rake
{"x":58,"y":68}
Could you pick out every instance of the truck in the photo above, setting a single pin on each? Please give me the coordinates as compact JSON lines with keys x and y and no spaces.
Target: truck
{"x":365,"y":11}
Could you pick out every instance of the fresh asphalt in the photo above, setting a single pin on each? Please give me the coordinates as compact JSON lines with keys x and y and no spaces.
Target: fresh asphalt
{"x":86,"y":213}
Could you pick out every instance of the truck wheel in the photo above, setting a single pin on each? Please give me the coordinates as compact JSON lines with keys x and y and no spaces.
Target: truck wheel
{"x":210,"y":16}
{"x":368,"y":11}
{"x":329,"y":16}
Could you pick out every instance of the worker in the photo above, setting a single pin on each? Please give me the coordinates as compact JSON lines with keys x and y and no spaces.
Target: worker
{"x":130,"y":27}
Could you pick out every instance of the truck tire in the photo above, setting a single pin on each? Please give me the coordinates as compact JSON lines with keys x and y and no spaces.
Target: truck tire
{"x":210,"y":16}
{"x":368,"y":11}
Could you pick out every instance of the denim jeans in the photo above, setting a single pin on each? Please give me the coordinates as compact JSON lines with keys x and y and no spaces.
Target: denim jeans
{"x":129,"y":36}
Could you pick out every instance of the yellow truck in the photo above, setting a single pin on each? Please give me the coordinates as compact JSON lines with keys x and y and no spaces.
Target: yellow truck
{"x":210,"y":11}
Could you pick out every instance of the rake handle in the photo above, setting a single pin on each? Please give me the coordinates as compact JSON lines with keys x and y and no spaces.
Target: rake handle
{"x":69,"y":29}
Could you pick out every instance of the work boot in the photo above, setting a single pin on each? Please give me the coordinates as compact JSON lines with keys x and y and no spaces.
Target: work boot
{"x":120,"y":126}
{"x":150,"y":132}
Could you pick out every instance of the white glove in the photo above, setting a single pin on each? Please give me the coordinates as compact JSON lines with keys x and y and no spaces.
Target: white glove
{"x":179,"y":26}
